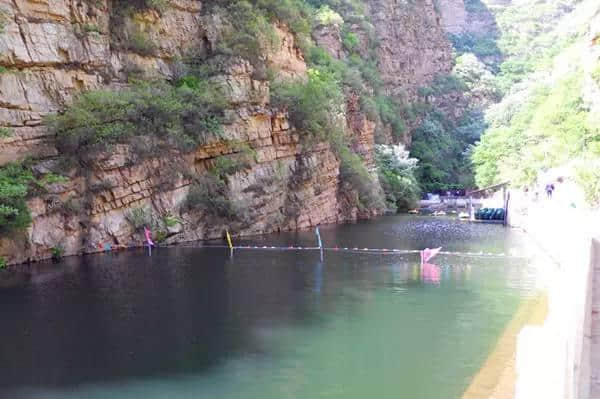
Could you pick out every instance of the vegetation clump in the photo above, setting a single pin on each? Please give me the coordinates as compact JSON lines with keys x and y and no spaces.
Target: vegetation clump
{"x":596,"y":73}
{"x":139,"y":42}
{"x":550,"y":129}
{"x":182,"y":116}
{"x":210,"y":192}
{"x":5,"y":132}
{"x":15,"y":182}
{"x":129,"y":6}
{"x":316,"y":108}
{"x":57,"y":252}
{"x":326,"y":16}
{"x":397,"y":176}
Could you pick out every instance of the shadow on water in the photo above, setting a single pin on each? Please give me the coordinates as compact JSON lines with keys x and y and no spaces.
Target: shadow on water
{"x":191,"y":311}
{"x":126,"y":315}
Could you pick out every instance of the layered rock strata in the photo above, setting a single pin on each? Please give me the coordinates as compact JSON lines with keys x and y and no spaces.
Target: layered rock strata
{"x":54,"y":49}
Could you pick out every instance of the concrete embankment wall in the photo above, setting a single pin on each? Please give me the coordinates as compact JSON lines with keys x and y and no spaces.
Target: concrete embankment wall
{"x":556,"y":359}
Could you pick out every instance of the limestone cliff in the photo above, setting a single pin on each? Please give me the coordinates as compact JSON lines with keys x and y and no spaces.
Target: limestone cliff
{"x":51,"y":50}
{"x":413,"y":48}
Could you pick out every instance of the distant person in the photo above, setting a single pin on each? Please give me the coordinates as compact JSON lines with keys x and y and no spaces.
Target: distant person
{"x":549,"y":190}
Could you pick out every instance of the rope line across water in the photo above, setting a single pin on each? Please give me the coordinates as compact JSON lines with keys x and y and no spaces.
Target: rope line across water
{"x":373,"y":251}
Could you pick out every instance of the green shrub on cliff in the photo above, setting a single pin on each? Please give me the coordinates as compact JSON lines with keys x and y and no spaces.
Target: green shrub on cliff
{"x":57,"y":252}
{"x":210,"y":193}
{"x":141,"y":217}
{"x":128,"y":6}
{"x":139,"y":42}
{"x":316,"y":108}
{"x":182,"y":116}
{"x":397,"y":176}
{"x":354,"y":172}
{"x":350,"y":41}
{"x":249,"y":33}
{"x":14,"y":187}
{"x":5,"y":132}
{"x":326,"y":16}
{"x":390,"y":112}
{"x":313,"y":105}
{"x":2,"y":263}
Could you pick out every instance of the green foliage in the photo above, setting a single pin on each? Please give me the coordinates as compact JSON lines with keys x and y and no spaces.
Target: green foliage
{"x":228,"y":165}
{"x":158,"y":5}
{"x":481,"y":45}
{"x":476,"y":78}
{"x":14,"y":187}
{"x":210,"y":194}
{"x":440,"y":146}
{"x":353,"y":171}
{"x":368,"y":70}
{"x":138,"y":42}
{"x":397,"y":176}
{"x":312,"y":105}
{"x":350,"y":41}
{"x":548,"y":129}
{"x":170,"y":220}
{"x":3,"y":20}
{"x":91,"y":28}
{"x":250,"y":33}
{"x":2,"y":262}
{"x":326,"y":16}
{"x":5,"y":132}
{"x":596,"y":73}
{"x":444,"y":84}
{"x":130,"y":6}
{"x":51,"y":178}
{"x":57,"y":252}
{"x":588,"y":177}
{"x":390,"y":113}
{"x":316,"y":108}
{"x":142,"y":217}
{"x":182,"y":116}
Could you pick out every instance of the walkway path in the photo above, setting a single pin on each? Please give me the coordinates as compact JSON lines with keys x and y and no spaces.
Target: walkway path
{"x":564,"y":233}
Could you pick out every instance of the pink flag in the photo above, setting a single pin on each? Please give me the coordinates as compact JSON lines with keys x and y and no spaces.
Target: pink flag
{"x":148,"y":235}
{"x":427,"y":254}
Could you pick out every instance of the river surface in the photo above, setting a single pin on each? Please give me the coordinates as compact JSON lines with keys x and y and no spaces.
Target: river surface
{"x":193,"y":322}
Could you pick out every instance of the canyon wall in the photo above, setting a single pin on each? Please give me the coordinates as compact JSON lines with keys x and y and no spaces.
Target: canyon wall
{"x":413,"y":48}
{"x":51,"y":50}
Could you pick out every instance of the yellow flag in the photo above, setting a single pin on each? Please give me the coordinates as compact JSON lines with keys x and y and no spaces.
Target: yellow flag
{"x":229,"y":240}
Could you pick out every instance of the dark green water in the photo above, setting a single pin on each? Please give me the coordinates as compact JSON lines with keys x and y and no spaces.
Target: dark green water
{"x":192,"y":322}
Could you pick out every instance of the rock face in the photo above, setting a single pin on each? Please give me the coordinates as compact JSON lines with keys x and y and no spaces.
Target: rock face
{"x":413,"y":47}
{"x":476,"y":19}
{"x":55,"y":49}
{"x":454,"y":15}
{"x":329,"y":37}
